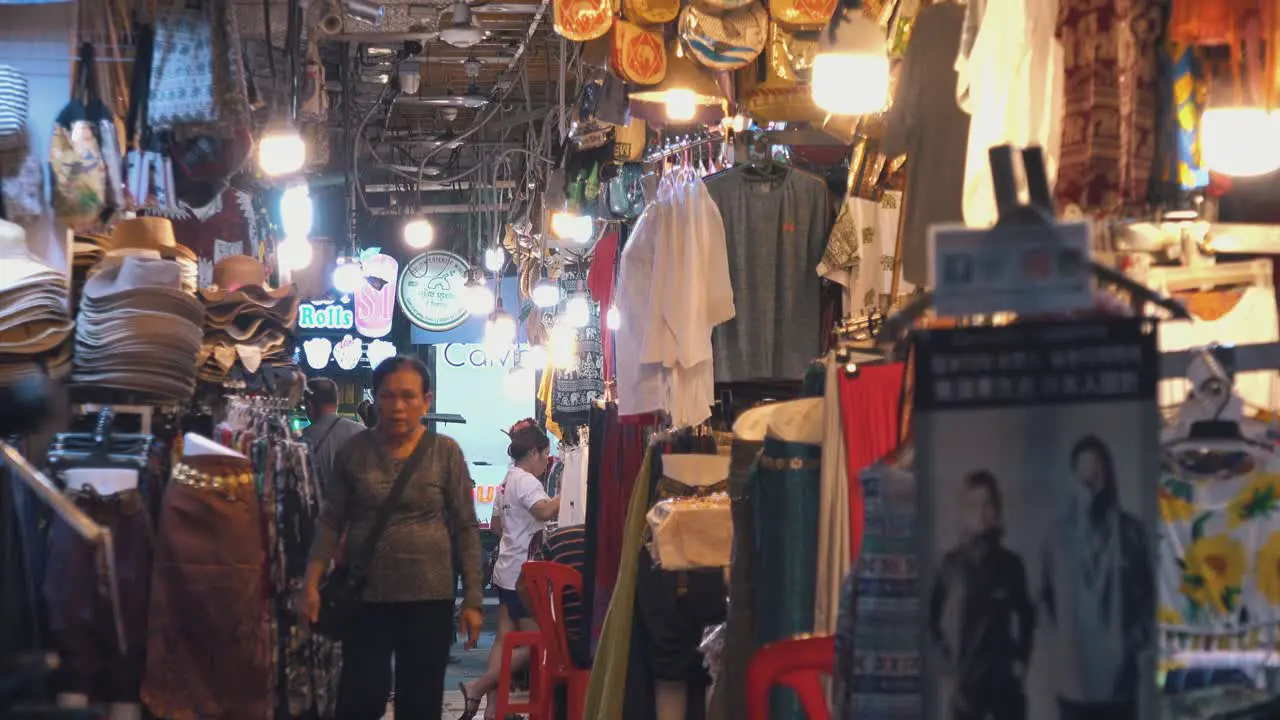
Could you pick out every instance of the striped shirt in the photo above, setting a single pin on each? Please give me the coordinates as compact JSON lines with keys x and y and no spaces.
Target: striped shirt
{"x":567,"y":546}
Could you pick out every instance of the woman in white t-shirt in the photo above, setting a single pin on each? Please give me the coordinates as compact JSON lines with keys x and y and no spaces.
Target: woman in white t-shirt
{"x":521,"y":511}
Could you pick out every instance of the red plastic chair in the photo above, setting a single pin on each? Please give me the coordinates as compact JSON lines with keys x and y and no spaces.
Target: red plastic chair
{"x":798,"y":664}
{"x":546,"y":583}
{"x":535,"y":705}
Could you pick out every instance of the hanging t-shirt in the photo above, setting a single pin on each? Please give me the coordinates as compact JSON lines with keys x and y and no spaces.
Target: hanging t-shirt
{"x":519,"y":493}
{"x":860,"y":255}
{"x":1219,"y":574}
{"x":573,"y":486}
{"x":775,"y":234}
{"x":1253,"y":319}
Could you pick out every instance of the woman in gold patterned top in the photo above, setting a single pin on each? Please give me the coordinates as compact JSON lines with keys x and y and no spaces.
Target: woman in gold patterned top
{"x":407,"y":608}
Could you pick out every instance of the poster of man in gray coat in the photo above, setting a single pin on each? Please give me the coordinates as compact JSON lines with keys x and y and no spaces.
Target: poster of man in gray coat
{"x":1097,"y":589}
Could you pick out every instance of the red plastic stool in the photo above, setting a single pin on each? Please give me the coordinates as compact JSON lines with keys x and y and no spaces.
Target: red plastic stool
{"x":798,"y":664}
{"x":536,"y":702}
{"x":546,"y":584}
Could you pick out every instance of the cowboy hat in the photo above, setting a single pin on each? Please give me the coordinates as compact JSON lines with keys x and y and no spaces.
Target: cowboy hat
{"x":18,"y":268}
{"x":147,"y":233}
{"x":134,"y":280}
{"x":240,"y":278}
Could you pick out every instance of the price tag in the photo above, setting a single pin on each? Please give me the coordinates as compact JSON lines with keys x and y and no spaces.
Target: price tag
{"x":1023,"y":270}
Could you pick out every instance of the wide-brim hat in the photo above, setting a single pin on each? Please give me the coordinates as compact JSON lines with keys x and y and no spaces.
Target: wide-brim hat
{"x":148,"y":233}
{"x":140,"y":282}
{"x":283,"y":311}
{"x":159,"y":330}
{"x":240,"y":279}
{"x":18,"y":267}
{"x":152,"y":386}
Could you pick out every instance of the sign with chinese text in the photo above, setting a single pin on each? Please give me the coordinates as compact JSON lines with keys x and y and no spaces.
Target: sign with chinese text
{"x":1037,"y":464}
{"x":430,"y":290}
{"x":1010,"y":269}
{"x":375,"y":307}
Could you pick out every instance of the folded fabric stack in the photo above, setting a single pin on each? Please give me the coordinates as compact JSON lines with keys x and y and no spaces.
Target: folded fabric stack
{"x":138,"y":331}
{"x":35,"y":323}
{"x":248,"y":324}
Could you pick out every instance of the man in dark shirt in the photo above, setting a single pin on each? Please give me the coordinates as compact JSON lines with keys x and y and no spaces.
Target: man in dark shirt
{"x":980,"y":613}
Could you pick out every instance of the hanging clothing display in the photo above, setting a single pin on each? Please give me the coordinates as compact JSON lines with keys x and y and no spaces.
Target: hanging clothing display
{"x":208,"y":651}
{"x":877,"y":670}
{"x":1185,"y":89}
{"x":1013,"y":74}
{"x":926,"y":123}
{"x":1225,"y":317}
{"x":601,"y":278}
{"x":574,"y":389}
{"x":860,"y":255}
{"x":102,"y":654}
{"x":833,"y":558}
{"x":775,"y":233}
{"x":1111,"y":52}
{"x":870,"y":411}
{"x":673,"y":290}
{"x":572,"y":488}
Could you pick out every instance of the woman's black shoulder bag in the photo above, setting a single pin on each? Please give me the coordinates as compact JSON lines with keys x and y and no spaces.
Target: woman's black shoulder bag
{"x":341,"y":592}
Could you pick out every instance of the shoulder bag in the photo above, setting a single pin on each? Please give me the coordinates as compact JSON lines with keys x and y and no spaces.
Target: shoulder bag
{"x":341,"y":592}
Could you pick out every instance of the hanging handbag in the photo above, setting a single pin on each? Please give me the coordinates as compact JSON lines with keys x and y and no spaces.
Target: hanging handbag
{"x":340,"y":595}
{"x":76,"y":164}
{"x":582,"y":20}
{"x":638,"y":55}
{"x":727,"y":41}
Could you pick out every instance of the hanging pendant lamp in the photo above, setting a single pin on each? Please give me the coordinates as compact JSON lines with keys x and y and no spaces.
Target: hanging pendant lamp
{"x":851,"y":70}
{"x":687,"y":95}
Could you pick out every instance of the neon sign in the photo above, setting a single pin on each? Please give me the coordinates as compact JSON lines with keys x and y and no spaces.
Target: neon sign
{"x":325,"y":317}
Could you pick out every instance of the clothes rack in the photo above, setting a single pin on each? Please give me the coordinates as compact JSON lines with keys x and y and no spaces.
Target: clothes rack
{"x":688,"y":143}
{"x":48,"y":493}
{"x":1039,"y":213}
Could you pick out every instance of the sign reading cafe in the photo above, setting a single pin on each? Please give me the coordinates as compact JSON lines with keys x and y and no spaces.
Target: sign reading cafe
{"x":430,"y":291}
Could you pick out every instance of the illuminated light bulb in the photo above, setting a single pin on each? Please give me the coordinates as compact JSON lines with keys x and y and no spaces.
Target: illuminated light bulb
{"x":577,"y":311}
{"x":545,"y":293}
{"x":294,"y":253}
{"x":564,"y":347}
{"x":613,"y":318}
{"x":478,"y":299}
{"x":1240,"y":141}
{"x":856,"y":49}
{"x":535,"y":358}
{"x":499,"y":333}
{"x":281,"y":151}
{"x":347,"y":277}
{"x":296,"y":211}
{"x":419,"y":233}
{"x":494,"y":259}
{"x":568,"y":226}
{"x":681,"y":104}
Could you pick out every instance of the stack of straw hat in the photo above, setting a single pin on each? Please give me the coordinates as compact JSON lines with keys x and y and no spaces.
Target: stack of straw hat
{"x":248,"y":324}
{"x":35,"y":322}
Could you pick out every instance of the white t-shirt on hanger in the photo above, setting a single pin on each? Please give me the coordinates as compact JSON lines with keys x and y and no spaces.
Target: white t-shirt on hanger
{"x":573,"y":487}
{"x":519,"y":493}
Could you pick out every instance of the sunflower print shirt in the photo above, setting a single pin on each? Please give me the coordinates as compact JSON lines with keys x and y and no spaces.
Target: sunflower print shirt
{"x":1220,"y":559}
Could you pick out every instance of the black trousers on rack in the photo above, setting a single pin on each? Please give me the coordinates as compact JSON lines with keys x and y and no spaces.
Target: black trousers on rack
{"x":418,"y":635}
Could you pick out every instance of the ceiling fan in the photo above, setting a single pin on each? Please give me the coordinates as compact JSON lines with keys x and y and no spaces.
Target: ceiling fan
{"x":463,"y":29}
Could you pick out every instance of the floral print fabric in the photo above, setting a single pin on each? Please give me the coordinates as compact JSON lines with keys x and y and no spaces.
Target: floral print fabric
{"x":1220,"y":559}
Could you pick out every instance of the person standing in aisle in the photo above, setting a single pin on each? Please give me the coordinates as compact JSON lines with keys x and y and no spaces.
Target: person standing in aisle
{"x":980,"y":613}
{"x":1098,"y":594}
{"x":523,"y":509}
{"x":327,"y":432}
{"x":407,"y":604}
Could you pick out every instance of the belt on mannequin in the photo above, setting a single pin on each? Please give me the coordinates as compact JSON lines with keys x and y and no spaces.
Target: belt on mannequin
{"x":225,"y":485}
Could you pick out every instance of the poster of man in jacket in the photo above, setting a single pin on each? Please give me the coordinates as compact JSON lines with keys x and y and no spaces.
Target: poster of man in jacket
{"x":1038,"y":463}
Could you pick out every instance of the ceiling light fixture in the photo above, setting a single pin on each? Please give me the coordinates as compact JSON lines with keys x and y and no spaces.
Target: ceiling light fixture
{"x":294,"y":253}
{"x":296,"y":211}
{"x":571,"y":226}
{"x":494,"y":259}
{"x":366,"y":11}
{"x":852,"y":47}
{"x":545,"y":293}
{"x":687,"y":93}
{"x":419,"y":233}
{"x":347,"y":276}
{"x":281,"y":151}
{"x":462,"y":30}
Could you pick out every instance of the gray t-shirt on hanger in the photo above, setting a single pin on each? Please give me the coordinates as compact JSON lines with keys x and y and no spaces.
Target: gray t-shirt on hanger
{"x":775,"y":234}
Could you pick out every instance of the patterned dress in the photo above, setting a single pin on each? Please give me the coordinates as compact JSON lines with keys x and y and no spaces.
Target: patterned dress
{"x":1109,"y":133}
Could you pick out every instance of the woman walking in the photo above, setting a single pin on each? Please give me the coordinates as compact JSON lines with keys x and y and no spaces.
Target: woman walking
{"x":407,"y":601}
{"x":523,"y":509}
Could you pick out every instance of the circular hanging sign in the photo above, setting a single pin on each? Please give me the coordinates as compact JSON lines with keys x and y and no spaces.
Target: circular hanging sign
{"x":430,"y":291}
